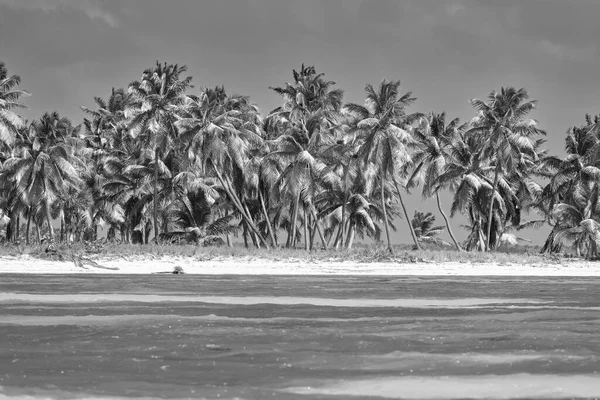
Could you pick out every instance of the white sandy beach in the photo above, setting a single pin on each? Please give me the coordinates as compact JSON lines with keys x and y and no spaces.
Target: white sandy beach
{"x":253,"y":266}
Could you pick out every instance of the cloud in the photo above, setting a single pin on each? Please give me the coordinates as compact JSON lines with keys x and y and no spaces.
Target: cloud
{"x":567,"y":53}
{"x":94,"y":9}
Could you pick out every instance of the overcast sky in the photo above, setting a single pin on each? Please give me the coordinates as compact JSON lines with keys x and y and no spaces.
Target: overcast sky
{"x":445,"y":52}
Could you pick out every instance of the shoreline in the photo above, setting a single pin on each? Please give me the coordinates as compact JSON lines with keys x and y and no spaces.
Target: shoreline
{"x":258,"y":266}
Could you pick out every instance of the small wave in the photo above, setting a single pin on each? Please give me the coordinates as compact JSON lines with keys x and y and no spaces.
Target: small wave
{"x":254,"y":300}
{"x":461,"y":387}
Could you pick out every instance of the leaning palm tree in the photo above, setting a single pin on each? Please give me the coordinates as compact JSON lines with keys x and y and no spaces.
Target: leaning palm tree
{"x":156,"y":99}
{"x":425,"y":229}
{"x":10,"y":122}
{"x":502,"y":121}
{"x":436,"y":140}
{"x":217,"y":131}
{"x":383,"y":141}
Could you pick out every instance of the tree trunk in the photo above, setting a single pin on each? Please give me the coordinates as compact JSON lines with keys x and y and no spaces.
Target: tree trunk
{"x":437,"y":197}
{"x":305,"y":224}
{"x":253,"y":235}
{"x":344,"y":201}
{"x":50,"y":228}
{"x":39,"y":233}
{"x":28,"y":225}
{"x":319,"y":230}
{"x":491,"y":208}
{"x":410,"y":227}
{"x":350,"y":239}
{"x":62,"y":229}
{"x":292,"y":234}
{"x":336,"y":242}
{"x":18,"y":229}
{"x":236,"y":202}
{"x":228,"y":236}
{"x":155,"y":195}
{"x":312,"y":230}
{"x":385,"y":218}
{"x":245,"y":233}
{"x":266,"y":214}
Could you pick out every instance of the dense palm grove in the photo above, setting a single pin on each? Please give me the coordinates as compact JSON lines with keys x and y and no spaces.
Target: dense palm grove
{"x":161,"y":161}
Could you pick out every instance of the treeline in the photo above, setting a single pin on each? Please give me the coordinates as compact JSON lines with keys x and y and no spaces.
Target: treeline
{"x":162,"y":161}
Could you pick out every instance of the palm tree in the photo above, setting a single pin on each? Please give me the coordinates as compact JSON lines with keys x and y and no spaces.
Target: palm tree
{"x":580,"y":167}
{"x":577,"y":223}
{"x":10,"y":122}
{"x":157,"y":98}
{"x":303,"y":122}
{"x":426,"y":231}
{"x":105,"y":136}
{"x":43,"y":166}
{"x":383,"y":141}
{"x":217,"y":131}
{"x":503,"y":123}
{"x":436,"y":139}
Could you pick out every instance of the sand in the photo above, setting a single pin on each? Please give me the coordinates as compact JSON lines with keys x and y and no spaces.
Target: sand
{"x":250,"y":266}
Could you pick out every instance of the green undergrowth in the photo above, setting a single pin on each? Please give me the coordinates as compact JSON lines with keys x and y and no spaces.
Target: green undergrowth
{"x":361,"y":254}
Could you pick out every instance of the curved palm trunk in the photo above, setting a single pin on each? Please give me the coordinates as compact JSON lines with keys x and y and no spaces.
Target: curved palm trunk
{"x":28,"y":225}
{"x":236,"y":202}
{"x":350,"y":238}
{"x":266,"y":214}
{"x":305,"y":224}
{"x":437,"y":197}
{"x":253,"y":234}
{"x":345,"y":200}
{"x":491,"y":208}
{"x":385,"y":217}
{"x":319,"y":230}
{"x":549,"y":245}
{"x":291,"y":242}
{"x":155,"y":196}
{"x":49,"y":220}
{"x":410,"y":227}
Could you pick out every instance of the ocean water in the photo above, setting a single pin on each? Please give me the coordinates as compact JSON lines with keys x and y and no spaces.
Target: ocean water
{"x":236,"y":337}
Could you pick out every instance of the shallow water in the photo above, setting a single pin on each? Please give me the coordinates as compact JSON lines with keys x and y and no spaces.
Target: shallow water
{"x":231,"y":337}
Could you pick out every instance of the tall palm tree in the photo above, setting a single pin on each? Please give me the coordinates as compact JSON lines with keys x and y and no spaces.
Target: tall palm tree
{"x":10,"y":122}
{"x":157,"y":97}
{"x":507,"y":134}
{"x":383,"y":141}
{"x":217,"y":131}
{"x":436,"y":139}
{"x":43,"y":168}
{"x":309,"y":114}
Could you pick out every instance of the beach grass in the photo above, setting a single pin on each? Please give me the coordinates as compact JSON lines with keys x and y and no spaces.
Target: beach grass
{"x":403,"y":253}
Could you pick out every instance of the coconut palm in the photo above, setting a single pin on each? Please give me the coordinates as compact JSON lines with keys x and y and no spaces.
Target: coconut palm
{"x":43,"y":168}
{"x":425,"y":229}
{"x":383,"y":141}
{"x":581,"y":166}
{"x":502,"y":122}
{"x":10,"y":122}
{"x":436,"y":140}
{"x":156,"y":99}
{"x":217,"y":131}
{"x":309,"y":114}
{"x":577,"y":223}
